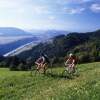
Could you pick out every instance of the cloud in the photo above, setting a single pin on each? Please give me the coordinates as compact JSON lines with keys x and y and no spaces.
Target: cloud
{"x":79,"y":1}
{"x":11,"y":3}
{"x":22,"y":6}
{"x":51,"y":17}
{"x":95,"y":7}
{"x":13,"y":6}
{"x":74,"y":10}
{"x":73,"y":1}
{"x":40,"y":10}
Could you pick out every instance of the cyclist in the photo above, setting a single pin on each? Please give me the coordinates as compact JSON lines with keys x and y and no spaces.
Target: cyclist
{"x":70,"y":63}
{"x":41,"y":62}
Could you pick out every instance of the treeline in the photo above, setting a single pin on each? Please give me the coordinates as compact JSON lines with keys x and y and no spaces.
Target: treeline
{"x":15,"y":63}
{"x":86,"y":46}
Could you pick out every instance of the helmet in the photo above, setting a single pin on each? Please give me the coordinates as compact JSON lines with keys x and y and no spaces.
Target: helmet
{"x":70,"y":54}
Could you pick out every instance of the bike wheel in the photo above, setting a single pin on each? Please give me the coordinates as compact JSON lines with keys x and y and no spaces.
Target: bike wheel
{"x":33,"y":70}
{"x":65,"y":73}
{"x":76,"y":72}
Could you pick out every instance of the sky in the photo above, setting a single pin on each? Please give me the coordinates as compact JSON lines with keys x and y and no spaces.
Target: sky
{"x":70,"y":15}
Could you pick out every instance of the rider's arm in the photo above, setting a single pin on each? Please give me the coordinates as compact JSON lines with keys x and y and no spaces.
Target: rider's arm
{"x":66,"y":62}
{"x":73,"y":62}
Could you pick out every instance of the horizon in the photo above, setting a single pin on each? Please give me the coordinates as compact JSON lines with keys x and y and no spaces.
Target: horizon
{"x":67,"y":15}
{"x":32,"y":30}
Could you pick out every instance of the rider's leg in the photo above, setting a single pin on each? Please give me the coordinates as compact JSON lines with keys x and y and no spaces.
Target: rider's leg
{"x":69,"y":68}
{"x":44,"y":67}
{"x":73,"y":68}
{"x":39,"y":66}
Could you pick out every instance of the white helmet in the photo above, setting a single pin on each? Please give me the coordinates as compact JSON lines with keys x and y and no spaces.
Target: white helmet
{"x":70,"y":54}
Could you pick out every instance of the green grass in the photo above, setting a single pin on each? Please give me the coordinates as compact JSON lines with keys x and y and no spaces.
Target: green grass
{"x":20,"y":85}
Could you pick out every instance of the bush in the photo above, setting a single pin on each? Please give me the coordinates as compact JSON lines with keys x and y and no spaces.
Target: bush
{"x":22,"y":66}
{"x":13,"y":67}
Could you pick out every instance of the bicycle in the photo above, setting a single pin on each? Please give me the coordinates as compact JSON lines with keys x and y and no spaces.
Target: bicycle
{"x":68,"y":71}
{"x":39,"y":69}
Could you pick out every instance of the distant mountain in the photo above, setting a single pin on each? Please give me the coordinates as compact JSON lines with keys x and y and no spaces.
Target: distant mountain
{"x":11,"y":31}
{"x":5,"y":48}
{"x":11,"y":34}
{"x":48,"y":33}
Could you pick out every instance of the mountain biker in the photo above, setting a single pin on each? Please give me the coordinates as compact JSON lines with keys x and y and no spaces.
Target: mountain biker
{"x":42,"y":61}
{"x":71,"y":62}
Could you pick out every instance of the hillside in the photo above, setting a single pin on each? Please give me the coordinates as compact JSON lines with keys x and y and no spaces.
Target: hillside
{"x":19,"y":85}
{"x":78,"y":43}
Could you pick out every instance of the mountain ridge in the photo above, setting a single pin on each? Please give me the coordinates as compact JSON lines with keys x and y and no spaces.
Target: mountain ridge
{"x":12,"y":31}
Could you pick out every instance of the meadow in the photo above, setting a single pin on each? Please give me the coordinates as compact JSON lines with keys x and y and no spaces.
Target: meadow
{"x":20,"y":85}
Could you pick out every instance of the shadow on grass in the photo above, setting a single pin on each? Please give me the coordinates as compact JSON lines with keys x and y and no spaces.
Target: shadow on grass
{"x":61,"y":76}
{"x":55,"y":75}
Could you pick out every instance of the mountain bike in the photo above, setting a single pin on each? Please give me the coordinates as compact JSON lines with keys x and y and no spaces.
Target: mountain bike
{"x":69,"y":71}
{"x":39,"y":69}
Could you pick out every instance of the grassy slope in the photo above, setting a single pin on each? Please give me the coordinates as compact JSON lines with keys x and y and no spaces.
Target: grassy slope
{"x":21,"y":86}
